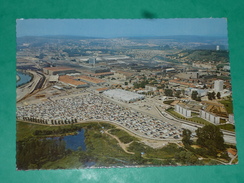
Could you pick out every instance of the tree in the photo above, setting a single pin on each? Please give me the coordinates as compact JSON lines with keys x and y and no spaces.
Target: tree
{"x":211,"y":138}
{"x":218,"y":95}
{"x":213,"y":95}
{"x":126,"y":83}
{"x":177,"y":93}
{"x":168,"y":92}
{"x":209,"y":96}
{"x":198,"y":99}
{"x":186,"y":140}
{"x":194,"y":95}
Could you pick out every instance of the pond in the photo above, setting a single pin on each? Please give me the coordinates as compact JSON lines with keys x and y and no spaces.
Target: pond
{"x":73,"y":142}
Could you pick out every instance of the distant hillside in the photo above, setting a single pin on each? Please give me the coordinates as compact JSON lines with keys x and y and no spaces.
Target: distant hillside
{"x":204,"y":55}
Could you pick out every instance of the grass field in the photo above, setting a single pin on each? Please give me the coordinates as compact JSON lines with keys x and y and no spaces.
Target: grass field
{"x":26,"y":130}
{"x":122,"y":135}
{"x":228,"y":105}
{"x":229,"y":127}
{"x":101,"y":148}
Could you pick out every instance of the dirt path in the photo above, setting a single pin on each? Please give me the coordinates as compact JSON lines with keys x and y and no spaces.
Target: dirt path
{"x":122,"y":145}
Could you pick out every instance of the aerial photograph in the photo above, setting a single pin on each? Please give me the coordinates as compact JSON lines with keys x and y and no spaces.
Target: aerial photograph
{"x":107,"y":93}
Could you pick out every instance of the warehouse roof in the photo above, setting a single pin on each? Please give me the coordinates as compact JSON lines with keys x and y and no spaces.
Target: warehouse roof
{"x":90,"y":79}
{"x":71,"y":80}
{"x":58,"y":68}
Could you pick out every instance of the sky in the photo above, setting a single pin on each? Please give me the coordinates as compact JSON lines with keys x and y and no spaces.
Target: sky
{"x":109,"y":28}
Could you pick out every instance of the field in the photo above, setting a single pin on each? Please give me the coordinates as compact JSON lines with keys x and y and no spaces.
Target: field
{"x":228,"y":105}
{"x":102,"y":148}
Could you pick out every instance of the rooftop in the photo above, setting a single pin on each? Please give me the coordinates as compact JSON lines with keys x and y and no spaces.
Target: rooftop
{"x":58,"y":68}
{"x":90,"y":79}
{"x":71,"y":80}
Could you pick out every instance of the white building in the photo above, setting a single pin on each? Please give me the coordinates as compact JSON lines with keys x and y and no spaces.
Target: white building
{"x":210,"y":117}
{"x":231,"y":119}
{"x":123,"y":95}
{"x":150,"y":88}
{"x":183,"y":111}
{"x":218,"y":85}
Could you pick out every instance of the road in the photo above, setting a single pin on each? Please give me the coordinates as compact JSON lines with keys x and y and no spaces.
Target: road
{"x":24,"y":90}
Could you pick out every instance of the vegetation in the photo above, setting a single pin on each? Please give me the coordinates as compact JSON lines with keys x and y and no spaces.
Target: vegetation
{"x":228,"y":105}
{"x":33,"y":153}
{"x":218,"y":95}
{"x":229,"y":127}
{"x":168,"y":102}
{"x":186,"y":140}
{"x":141,"y":84}
{"x":194,"y":95}
{"x":211,"y":95}
{"x":205,"y":55}
{"x":122,"y":135}
{"x":168,"y":92}
{"x":211,"y":138}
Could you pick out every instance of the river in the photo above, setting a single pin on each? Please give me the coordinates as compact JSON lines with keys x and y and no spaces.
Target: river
{"x":23,"y":78}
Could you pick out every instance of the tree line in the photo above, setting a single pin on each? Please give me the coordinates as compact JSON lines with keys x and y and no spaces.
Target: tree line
{"x":33,"y":153}
{"x":209,"y":139}
{"x":57,"y":131}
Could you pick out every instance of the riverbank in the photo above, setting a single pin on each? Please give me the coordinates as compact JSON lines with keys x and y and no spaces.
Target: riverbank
{"x":17,"y":78}
{"x":25,"y":89}
{"x":23,"y":77}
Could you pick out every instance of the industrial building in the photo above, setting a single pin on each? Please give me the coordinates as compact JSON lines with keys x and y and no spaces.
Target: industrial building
{"x":58,"y":70}
{"x":90,"y":80}
{"x":53,"y":78}
{"x":124,"y":96}
{"x":97,"y":70}
{"x":69,"y":80}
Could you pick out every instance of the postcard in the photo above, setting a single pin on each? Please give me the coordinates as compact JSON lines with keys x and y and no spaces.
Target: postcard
{"x":102,"y":93}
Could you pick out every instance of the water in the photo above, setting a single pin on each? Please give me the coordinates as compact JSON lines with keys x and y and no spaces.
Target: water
{"x":23,"y":78}
{"x":73,"y":142}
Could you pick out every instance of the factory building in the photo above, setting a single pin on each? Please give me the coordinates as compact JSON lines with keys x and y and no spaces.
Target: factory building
{"x":123,"y":95}
{"x":69,"y":80}
{"x":100,"y":70}
{"x":58,"y":70}
{"x":90,"y":80}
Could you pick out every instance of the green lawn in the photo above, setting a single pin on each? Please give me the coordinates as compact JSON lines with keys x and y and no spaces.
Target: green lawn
{"x":229,"y":127}
{"x":228,"y":105}
{"x":168,"y":102}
